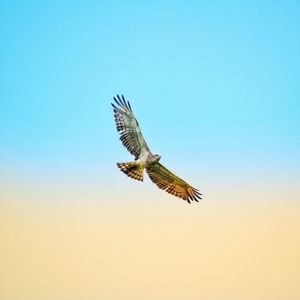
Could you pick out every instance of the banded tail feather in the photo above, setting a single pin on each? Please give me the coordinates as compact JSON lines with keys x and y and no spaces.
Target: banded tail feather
{"x":132,"y":169}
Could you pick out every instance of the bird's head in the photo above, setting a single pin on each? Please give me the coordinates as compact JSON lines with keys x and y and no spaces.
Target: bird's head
{"x":156,"y":157}
{"x":153,"y":158}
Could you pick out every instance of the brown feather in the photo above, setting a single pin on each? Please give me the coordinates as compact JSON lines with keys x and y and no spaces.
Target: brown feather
{"x":171,"y":183}
{"x":132,"y":169}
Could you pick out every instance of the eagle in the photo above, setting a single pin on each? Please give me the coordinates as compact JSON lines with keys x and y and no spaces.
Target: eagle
{"x":133,"y":140}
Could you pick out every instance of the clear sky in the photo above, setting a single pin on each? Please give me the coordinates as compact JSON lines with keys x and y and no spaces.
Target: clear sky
{"x":215,"y":88}
{"x":216,"y":82}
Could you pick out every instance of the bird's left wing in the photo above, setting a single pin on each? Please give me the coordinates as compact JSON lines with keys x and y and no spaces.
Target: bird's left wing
{"x":171,"y":183}
{"x":128,"y":126}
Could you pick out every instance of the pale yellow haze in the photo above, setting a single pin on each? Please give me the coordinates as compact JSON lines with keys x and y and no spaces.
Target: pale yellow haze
{"x":90,"y":245}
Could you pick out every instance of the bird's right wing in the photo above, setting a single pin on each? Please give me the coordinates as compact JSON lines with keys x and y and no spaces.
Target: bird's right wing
{"x":126,"y":123}
{"x":171,"y":183}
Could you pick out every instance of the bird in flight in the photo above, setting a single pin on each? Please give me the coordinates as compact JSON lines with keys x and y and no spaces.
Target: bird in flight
{"x":132,"y":138}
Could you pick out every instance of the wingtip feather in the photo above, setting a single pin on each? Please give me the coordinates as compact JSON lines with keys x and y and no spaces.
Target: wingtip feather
{"x":117,"y":101}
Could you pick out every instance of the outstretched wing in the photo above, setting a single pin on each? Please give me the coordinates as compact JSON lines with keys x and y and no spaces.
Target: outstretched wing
{"x":128,"y":126}
{"x":172,"y":184}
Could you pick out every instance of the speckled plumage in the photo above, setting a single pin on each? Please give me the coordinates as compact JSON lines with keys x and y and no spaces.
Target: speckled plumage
{"x":132,"y":138}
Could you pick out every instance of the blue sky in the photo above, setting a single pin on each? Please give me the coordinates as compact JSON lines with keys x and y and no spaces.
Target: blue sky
{"x":213,"y":83}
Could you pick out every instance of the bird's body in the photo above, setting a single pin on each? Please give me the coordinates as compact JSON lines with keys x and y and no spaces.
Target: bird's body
{"x":133,"y":140}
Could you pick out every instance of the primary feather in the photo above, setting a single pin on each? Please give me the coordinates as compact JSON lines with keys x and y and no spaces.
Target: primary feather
{"x":126,"y":123}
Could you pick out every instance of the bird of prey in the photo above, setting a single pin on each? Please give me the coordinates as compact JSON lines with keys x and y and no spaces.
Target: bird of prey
{"x":132,"y":138}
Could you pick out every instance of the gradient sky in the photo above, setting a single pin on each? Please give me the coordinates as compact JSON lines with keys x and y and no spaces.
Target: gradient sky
{"x":215,"y":87}
{"x":216,"y":83}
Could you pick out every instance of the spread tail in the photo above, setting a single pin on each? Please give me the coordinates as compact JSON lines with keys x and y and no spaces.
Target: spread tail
{"x":132,"y":169}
